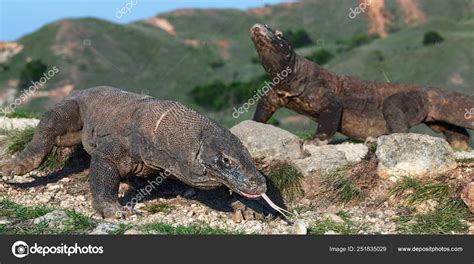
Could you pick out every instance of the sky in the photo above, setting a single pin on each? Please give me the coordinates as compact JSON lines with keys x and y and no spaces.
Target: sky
{"x":20,"y":17}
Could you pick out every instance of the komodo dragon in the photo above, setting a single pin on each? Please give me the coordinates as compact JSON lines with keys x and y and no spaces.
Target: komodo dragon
{"x":356,"y":108}
{"x":131,"y":134}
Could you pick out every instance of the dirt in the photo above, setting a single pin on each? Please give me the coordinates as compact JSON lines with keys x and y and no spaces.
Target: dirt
{"x":163,"y":24}
{"x":260,"y":12}
{"x":224,"y":46}
{"x":411,"y":12}
{"x":378,"y":18}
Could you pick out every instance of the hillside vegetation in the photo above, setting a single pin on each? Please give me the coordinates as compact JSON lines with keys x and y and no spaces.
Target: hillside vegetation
{"x":206,"y":47}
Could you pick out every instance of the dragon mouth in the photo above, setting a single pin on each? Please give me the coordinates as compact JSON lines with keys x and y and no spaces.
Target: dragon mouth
{"x":250,"y":196}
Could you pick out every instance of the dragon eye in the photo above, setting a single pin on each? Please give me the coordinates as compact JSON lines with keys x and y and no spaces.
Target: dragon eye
{"x":226,"y":160}
{"x":279,"y":34}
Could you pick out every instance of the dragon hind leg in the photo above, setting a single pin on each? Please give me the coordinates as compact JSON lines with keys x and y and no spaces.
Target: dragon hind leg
{"x":62,"y":121}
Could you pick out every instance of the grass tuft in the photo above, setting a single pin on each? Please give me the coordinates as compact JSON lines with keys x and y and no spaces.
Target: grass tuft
{"x":76,"y":223}
{"x":53,"y":162}
{"x":449,"y":217}
{"x":323,"y":226}
{"x":15,"y":211}
{"x":154,"y":208}
{"x":343,"y":187}
{"x":420,"y":192}
{"x":22,"y":114}
{"x":287,"y":179}
{"x":18,"y":139}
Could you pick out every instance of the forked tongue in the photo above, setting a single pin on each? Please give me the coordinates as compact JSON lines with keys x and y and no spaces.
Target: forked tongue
{"x":276,"y":207}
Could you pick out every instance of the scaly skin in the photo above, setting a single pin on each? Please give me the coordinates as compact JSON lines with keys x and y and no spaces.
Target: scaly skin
{"x":356,"y":108}
{"x":127,"y":133}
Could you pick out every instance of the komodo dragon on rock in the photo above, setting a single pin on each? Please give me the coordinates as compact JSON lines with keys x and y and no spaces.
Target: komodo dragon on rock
{"x":131,"y":134}
{"x":356,"y":108}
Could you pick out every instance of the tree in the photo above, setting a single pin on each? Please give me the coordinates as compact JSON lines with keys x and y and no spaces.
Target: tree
{"x":32,"y":72}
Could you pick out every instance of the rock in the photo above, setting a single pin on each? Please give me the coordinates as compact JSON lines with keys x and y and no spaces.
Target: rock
{"x":413,"y":155}
{"x":54,"y":219}
{"x":267,"y":142}
{"x":300,"y":228}
{"x":133,"y":232}
{"x":190,"y":192}
{"x":333,"y":218}
{"x":44,"y":198}
{"x":427,"y":206}
{"x":464,"y":155}
{"x":237,"y":216}
{"x":321,"y":159}
{"x":104,"y":229}
{"x":354,"y":152}
{"x":467,"y":196}
{"x":17,"y":123}
{"x":4,"y":221}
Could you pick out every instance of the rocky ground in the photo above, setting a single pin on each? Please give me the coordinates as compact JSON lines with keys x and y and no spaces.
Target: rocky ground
{"x":348,"y":188}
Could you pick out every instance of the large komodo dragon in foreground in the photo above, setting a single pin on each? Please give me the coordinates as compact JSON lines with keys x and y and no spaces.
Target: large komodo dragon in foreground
{"x":131,"y":134}
{"x":356,"y":108}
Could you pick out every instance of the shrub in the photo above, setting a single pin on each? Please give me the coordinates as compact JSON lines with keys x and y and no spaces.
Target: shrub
{"x":298,"y":38}
{"x":321,"y":56}
{"x":287,"y":179}
{"x":217,"y":64}
{"x":356,"y":41}
{"x":431,"y":38}
{"x":254,"y":60}
{"x":32,"y":72}
{"x":218,"y":95}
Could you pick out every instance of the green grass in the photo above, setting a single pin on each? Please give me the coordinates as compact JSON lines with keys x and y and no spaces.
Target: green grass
{"x":419,"y":191}
{"x":15,"y":211}
{"x":122,"y":228}
{"x":195,"y":229}
{"x":323,"y":226}
{"x":287,"y":179}
{"x":18,"y":139}
{"x":154,"y":208}
{"x":448,"y":217}
{"x":18,"y":113}
{"x":343,"y":187}
{"x":306,"y":135}
{"x":53,"y":163}
{"x":76,"y":223}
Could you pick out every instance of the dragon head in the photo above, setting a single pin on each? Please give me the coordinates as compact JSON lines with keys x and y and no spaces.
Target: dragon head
{"x":229,"y":162}
{"x":274,"y":50}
